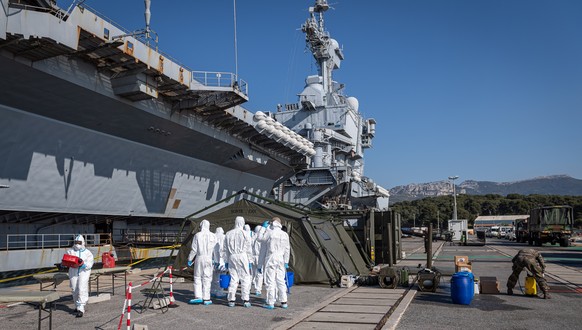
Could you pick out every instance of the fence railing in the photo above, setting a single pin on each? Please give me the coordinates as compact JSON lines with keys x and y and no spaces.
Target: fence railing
{"x":121,"y":236}
{"x":45,"y":241}
{"x":220,"y":79}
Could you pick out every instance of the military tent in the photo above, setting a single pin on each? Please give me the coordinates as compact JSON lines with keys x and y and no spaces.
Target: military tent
{"x":321,"y":249}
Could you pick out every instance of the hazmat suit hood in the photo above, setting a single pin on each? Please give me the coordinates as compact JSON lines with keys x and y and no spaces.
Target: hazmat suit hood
{"x":247,"y":229}
{"x":257,"y":229}
{"x":78,"y":247}
{"x":239,"y":222}
{"x":276,"y":224}
{"x":205,"y":225}
{"x":219,"y":231}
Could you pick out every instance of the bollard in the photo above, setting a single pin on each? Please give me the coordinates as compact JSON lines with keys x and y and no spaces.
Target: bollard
{"x":129,"y":307}
{"x":172,"y":300}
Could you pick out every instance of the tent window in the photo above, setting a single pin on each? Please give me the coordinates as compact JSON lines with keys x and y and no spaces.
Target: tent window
{"x":322,"y":234}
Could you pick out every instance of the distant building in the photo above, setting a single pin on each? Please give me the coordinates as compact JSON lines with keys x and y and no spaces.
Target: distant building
{"x":497,"y":220}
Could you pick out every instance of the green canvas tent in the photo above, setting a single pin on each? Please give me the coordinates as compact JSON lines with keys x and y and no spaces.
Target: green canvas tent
{"x":321,"y":249}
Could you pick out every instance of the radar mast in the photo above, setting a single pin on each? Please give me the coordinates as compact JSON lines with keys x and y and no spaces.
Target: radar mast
{"x":325,"y":50}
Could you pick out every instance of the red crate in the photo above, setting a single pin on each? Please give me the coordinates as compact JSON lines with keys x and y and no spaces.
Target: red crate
{"x":71,"y":261}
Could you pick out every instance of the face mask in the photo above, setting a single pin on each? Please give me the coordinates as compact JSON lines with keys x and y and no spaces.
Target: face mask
{"x":77,"y":247}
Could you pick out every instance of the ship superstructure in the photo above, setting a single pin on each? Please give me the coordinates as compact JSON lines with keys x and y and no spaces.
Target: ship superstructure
{"x":336,"y":131}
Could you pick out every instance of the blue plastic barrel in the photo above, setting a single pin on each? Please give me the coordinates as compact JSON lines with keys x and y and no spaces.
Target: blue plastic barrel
{"x":462,"y":288}
{"x":291,"y":278}
{"x":224,"y":281}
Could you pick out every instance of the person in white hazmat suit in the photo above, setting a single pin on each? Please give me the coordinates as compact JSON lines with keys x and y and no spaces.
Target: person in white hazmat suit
{"x":257,"y":281}
{"x":238,"y":254}
{"x":202,"y":255}
{"x":79,"y":277}
{"x":275,"y":261}
{"x":219,"y":268}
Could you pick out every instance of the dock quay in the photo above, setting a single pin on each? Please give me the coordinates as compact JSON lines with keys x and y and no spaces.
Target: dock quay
{"x":358,"y":307}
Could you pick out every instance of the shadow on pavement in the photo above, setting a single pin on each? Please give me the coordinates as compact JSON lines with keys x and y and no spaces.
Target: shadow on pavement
{"x":481,"y":302}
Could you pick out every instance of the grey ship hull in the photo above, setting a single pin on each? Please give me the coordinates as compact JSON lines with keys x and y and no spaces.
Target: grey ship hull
{"x":95,"y":120}
{"x":66,"y":148}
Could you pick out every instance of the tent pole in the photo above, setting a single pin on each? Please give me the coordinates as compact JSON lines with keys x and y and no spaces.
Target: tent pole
{"x":281,"y":204}
{"x":176,"y":241}
{"x":360,"y":244}
{"x":342,"y":243}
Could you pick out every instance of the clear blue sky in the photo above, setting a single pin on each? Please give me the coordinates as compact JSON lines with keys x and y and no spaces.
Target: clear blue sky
{"x":484,"y":89}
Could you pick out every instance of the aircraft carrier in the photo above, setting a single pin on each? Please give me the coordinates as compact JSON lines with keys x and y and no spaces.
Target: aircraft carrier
{"x":104,"y":134}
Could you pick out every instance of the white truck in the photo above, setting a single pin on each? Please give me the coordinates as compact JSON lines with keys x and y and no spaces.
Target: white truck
{"x":457,"y":228}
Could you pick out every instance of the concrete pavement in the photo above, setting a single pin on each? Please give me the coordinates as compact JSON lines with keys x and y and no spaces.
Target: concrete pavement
{"x":501,"y":311}
{"x":322,"y":307}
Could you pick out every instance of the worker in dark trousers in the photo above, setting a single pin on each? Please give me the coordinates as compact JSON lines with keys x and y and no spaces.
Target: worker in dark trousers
{"x":533,"y":261}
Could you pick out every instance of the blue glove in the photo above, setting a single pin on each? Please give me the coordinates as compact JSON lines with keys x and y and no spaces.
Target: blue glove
{"x":250,"y":266}
{"x":260,"y":270}
{"x":190,"y":262}
{"x":83,"y":266}
{"x":286,"y":265}
{"x":266,"y":224}
{"x":226,"y":265}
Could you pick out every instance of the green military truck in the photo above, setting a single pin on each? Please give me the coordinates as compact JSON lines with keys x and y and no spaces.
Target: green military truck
{"x":550,"y":224}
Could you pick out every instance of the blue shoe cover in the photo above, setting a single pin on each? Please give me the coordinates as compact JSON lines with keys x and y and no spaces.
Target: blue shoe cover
{"x":231,"y":304}
{"x":247,"y":304}
{"x":285,"y":306}
{"x":258,"y":293}
{"x":207,"y":302}
{"x":268,"y":306}
{"x":195,"y":301}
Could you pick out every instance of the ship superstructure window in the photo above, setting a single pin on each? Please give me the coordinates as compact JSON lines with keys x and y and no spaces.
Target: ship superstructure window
{"x":106,"y":33}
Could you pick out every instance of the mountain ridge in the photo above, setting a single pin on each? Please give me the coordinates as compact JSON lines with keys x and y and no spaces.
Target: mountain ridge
{"x":561,"y":184}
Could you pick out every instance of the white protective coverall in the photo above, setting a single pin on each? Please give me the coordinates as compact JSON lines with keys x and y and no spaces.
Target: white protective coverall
{"x":238,"y":255}
{"x":79,"y":277}
{"x":274,"y":257}
{"x":203,"y":249}
{"x":219,"y":269}
{"x":257,"y":276}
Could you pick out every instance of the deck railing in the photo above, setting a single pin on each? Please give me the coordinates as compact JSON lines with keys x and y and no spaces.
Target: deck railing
{"x":46,"y":241}
{"x":220,"y":79}
{"x":210,"y":79}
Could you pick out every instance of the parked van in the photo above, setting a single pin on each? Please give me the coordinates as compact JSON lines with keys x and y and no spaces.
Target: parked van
{"x":494,"y":232}
{"x":503,"y":231}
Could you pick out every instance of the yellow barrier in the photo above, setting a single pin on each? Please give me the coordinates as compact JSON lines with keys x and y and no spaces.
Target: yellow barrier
{"x":29,"y":275}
